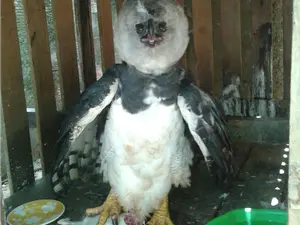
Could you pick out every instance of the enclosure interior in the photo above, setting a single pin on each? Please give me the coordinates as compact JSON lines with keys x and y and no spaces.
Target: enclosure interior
{"x":239,"y":52}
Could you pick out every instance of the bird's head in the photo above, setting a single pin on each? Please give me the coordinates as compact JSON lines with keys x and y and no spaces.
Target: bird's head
{"x":151,"y":35}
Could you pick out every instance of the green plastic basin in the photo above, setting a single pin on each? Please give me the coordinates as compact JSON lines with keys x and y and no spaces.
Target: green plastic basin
{"x":249,"y":216}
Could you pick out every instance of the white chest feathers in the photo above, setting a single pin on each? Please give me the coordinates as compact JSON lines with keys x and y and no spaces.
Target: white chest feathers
{"x":143,"y":154}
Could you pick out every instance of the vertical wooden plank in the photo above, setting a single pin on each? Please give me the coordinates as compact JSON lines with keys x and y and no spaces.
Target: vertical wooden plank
{"x":217,"y":49}
{"x":190,"y":53}
{"x":87,"y":42}
{"x":106,"y":33}
{"x":203,"y":43}
{"x":43,"y":79}
{"x":231,"y":36}
{"x":66,"y":46}
{"x":261,"y":16}
{"x":246,"y":48}
{"x":294,"y":156}
{"x":277,"y":49}
{"x":287,"y":45}
{"x":261,"y":13}
{"x":183,"y":60}
{"x":119,"y":4}
{"x":181,"y":2}
{"x":13,"y":102}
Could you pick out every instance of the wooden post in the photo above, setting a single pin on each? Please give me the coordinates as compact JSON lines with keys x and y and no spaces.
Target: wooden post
{"x":87,"y":42}
{"x":67,"y":55}
{"x":277,"y":49}
{"x":206,"y":34}
{"x":119,"y":4}
{"x":106,"y":33}
{"x":47,"y":120}
{"x":20,"y":171}
{"x":294,"y":164}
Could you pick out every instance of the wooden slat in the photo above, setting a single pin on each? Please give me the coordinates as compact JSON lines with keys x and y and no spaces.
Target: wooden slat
{"x":106,"y":33}
{"x":247,"y":52}
{"x":231,"y":36}
{"x":181,"y":2}
{"x":277,"y":49}
{"x":287,"y":45}
{"x":87,"y":42}
{"x":13,"y":102}
{"x":190,"y":57}
{"x":43,"y":79}
{"x":261,"y":14}
{"x":217,"y":49}
{"x":66,"y":46}
{"x":183,"y":60}
{"x":203,"y":43}
{"x":294,"y":154}
{"x":119,"y":4}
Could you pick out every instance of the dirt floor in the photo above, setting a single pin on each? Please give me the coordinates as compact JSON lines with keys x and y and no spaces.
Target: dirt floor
{"x":259,"y":185}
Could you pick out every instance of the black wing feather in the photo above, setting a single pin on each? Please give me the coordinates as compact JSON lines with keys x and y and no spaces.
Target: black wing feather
{"x":78,"y":144}
{"x":207,"y":124}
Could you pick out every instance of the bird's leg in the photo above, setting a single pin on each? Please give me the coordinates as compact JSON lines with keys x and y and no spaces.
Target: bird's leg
{"x":161,"y":215}
{"x":110,"y":208}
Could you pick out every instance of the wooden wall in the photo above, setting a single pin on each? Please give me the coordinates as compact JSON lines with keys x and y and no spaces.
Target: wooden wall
{"x":224,"y":41}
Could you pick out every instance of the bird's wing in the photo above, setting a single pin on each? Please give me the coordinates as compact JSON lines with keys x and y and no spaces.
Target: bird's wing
{"x":207,"y":123}
{"x":78,"y":144}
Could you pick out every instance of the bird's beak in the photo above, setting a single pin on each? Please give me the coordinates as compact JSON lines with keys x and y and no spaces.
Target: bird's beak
{"x":151,"y":37}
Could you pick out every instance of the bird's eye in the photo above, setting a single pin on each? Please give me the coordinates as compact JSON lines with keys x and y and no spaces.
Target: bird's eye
{"x":139,"y":28}
{"x":162,"y":26}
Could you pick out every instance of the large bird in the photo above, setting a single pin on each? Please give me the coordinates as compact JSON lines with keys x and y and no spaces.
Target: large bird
{"x":147,"y":103}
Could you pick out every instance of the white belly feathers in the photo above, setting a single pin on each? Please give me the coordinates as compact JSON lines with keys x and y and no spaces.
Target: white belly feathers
{"x":143,"y":154}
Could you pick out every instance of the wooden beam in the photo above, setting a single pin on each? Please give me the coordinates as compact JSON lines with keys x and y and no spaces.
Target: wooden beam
{"x":246,"y":48}
{"x":67,"y":56}
{"x":87,"y":42}
{"x":277,"y":49}
{"x":20,"y":172}
{"x":217,"y":49}
{"x":294,"y":156}
{"x":203,"y":43}
{"x":181,"y":2}
{"x":47,"y":123}
{"x":119,"y":4}
{"x":231,"y":36}
{"x":287,"y":46}
{"x":106,"y":33}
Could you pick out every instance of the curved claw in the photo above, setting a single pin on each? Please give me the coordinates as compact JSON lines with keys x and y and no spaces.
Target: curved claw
{"x":111,"y":208}
{"x":115,"y":221}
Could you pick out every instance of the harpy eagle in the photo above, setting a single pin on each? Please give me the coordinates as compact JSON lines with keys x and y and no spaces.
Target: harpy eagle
{"x":147,"y":102}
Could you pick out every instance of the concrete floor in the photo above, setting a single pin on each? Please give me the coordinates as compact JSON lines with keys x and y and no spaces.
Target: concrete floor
{"x":256,"y":187}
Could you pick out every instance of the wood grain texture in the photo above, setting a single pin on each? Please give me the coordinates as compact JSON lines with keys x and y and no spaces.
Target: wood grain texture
{"x":277,"y":49}
{"x":87,"y":42}
{"x":217,"y":49}
{"x":287,"y":46}
{"x":231,"y":35}
{"x":119,"y":4}
{"x":294,"y":156}
{"x":247,"y":52}
{"x":67,"y":56}
{"x":203,"y":43}
{"x":47,"y":123}
{"x":106,"y":33}
{"x":15,"y":120}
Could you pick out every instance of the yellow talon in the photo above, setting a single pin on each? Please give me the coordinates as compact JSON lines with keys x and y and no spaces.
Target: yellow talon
{"x":161,"y":215}
{"x":110,"y":208}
